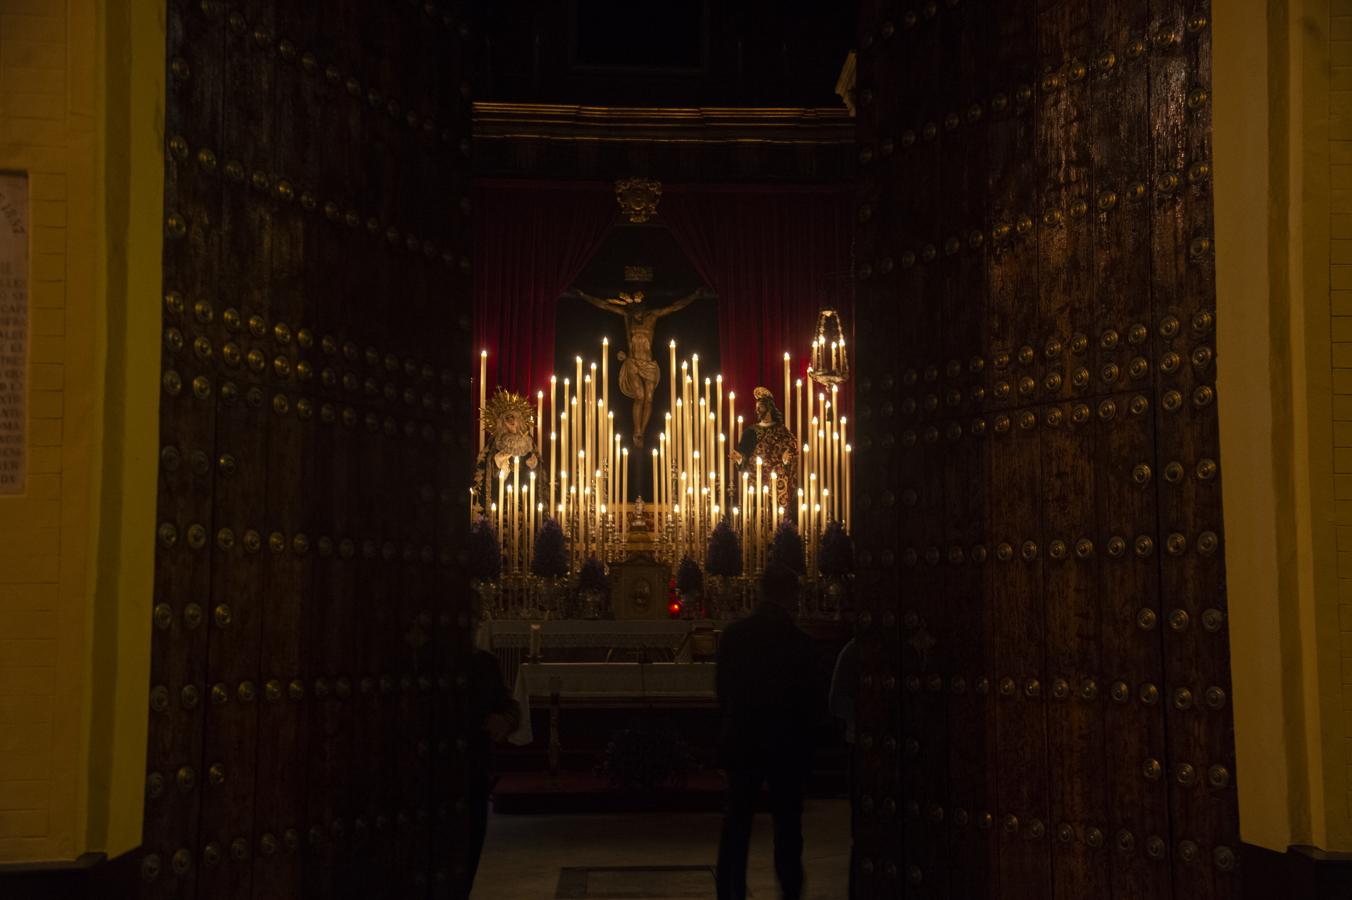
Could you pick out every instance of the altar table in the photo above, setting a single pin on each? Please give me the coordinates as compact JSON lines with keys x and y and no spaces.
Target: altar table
{"x":666,"y":640}
{"x":608,"y":684}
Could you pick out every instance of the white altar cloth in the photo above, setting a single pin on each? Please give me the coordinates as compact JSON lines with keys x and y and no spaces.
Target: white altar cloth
{"x":614,"y":633}
{"x":602,"y":683}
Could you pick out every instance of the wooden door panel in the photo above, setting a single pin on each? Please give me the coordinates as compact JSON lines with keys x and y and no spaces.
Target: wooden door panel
{"x":1034,"y":252}
{"x":313,"y":374}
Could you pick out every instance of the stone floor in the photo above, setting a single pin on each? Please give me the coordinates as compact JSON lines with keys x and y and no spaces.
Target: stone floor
{"x":525,"y":855}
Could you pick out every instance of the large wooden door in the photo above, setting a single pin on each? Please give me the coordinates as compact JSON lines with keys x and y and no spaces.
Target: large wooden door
{"x":310,"y":618}
{"x":1045,"y":698}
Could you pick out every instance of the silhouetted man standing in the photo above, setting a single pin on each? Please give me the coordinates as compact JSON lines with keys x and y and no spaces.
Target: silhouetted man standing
{"x":493,"y":714}
{"x":772,"y":699}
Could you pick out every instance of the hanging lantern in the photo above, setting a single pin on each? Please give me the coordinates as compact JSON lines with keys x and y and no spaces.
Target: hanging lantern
{"x":830,"y":361}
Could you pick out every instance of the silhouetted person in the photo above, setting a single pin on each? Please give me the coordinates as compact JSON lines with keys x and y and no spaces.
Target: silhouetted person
{"x":494,"y":715}
{"x":772,"y":700}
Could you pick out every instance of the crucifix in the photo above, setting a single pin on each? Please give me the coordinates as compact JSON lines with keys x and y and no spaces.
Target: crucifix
{"x":639,"y":372}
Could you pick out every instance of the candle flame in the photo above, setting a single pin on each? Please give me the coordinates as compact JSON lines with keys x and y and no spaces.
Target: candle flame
{"x":483,"y":353}
{"x":786,"y":356}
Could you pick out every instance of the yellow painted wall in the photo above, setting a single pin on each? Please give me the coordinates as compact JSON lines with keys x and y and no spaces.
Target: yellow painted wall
{"x":81,"y":89}
{"x":1283,"y":139}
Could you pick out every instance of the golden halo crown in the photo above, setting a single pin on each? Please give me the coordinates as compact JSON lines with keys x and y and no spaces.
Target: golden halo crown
{"x":502,"y":403}
{"x":763,"y":393}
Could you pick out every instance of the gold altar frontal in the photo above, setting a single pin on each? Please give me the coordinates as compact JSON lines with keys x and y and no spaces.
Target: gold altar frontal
{"x":639,"y":581}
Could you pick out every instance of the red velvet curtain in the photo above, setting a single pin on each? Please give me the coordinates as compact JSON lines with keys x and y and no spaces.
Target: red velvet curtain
{"x":531,"y":240}
{"x":775,"y":254}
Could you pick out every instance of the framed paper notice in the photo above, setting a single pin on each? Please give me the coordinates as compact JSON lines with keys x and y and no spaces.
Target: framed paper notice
{"x":13,"y":331}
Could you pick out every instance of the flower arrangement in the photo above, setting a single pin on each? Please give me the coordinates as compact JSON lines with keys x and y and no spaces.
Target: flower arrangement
{"x":724,"y":556}
{"x":485,"y":555}
{"x":592,"y":578}
{"x":551,"y":553}
{"x":835,"y":554}
{"x":786,"y":549}
{"x":689,"y":578}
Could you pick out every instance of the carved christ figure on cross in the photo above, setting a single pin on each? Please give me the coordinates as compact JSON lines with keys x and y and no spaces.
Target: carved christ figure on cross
{"x":639,"y":372}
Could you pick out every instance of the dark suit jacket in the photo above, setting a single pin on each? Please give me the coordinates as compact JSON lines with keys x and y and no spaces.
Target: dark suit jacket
{"x":770,"y":691}
{"x":487,"y":694}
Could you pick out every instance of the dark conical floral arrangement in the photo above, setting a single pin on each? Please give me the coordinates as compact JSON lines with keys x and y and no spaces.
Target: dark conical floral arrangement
{"x":689,"y":578}
{"x":592,"y":577}
{"x":485,"y":556}
{"x":786,"y":549}
{"x":835,"y":555}
{"x":724,"y":556}
{"x":551,"y":554}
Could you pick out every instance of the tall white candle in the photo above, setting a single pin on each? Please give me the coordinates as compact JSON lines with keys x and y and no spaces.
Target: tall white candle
{"x":483,"y":395}
{"x":798,"y":387}
{"x":849,"y":521}
{"x":659,"y":471}
{"x":706,"y":414}
{"x":575,"y":426}
{"x":784,"y":398}
{"x":657,"y":503}
{"x":710,"y":444}
{"x":563,"y":502}
{"x":732,"y":417}
{"x":671,"y":410}
{"x":718,"y":405}
{"x":605,"y":372}
{"x":694,"y":369}
{"x":516,"y":502}
{"x":722,"y":467}
{"x":502,"y":484}
{"x":760,"y":506}
{"x":588,"y":419}
{"x":623,"y":503}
